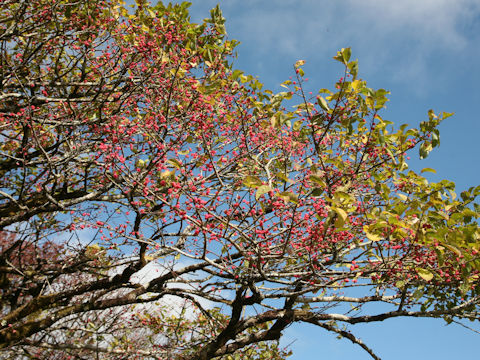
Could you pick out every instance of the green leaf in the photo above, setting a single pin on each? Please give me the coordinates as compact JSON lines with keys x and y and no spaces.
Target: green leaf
{"x":236,"y":73}
{"x":324,"y":91}
{"x":424,"y":150}
{"x":464,"y":287}
{"x":435,"y":138}
{"x":343,"y":55}
{"x":381,"y":138}
{"x":389,"y":152}
{"x":346,"y":53}
{"x":353,"y":67}
{"x":323,"y":103}
{"x":417,"y":294}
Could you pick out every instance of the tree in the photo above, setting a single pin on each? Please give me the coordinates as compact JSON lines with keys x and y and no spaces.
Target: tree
{"x":131,"y":148}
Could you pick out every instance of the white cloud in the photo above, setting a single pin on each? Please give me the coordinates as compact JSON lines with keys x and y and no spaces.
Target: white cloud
{"x":401,"y":37}
{"x":290,"y":26}
{"x":155,"y":269}
{"x":434,"y":22}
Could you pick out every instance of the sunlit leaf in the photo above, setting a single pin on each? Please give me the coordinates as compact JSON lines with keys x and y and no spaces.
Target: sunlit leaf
{"x":252,"y":182}
{"x":261,"y":190}
{"x":425,"y":274}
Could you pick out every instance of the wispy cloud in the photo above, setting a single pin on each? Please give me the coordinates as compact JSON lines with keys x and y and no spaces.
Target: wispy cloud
{"x":400,"y":37}
{"x":292,"y":26}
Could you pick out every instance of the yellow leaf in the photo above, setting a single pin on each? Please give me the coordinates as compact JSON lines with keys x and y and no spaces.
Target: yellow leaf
{"x":318,"y":180}
{"x":299,"y":63}
{"x":453,"y":249}
{"x":356,"y":85}
{"x":151,"y":13}
{"x":424,"y":274}
{"x":167,"y":174}
{"x":323,"y":103}
{"x":252,"y":182}
{"x":370,"y":236}
{"x":341,"y":218}
{"x":174,"y":162}
{"x":288,"y":196}
{"x":262,"y":190}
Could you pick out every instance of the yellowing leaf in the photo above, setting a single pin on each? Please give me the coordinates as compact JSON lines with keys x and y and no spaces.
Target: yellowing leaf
{"x":341,"y":218}
{"x":262,"y":190}
{"x":288,"y":196}
{"x":167,"y":174}
{"x":389,"y":152}
{"x":283,"y":177}
{"x":175,"y":163}
{"x":299,"y":63}
{"x":369,"y":101}
{"x":323,"y":103}
{"x":318,"y":180}
{"x":151,"y":13}
{"x":252,"y":182}
{"x":357,"y":84}
{"x":370,"y":236}
{"x":446,"y":115}
{"x":343,"y":197}
{"x":453,"y":249}
{"x":424,"y":274}
{"x":343,"y":55}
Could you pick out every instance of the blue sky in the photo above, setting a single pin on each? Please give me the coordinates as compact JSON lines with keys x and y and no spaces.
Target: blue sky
{"x":426,"y":52}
